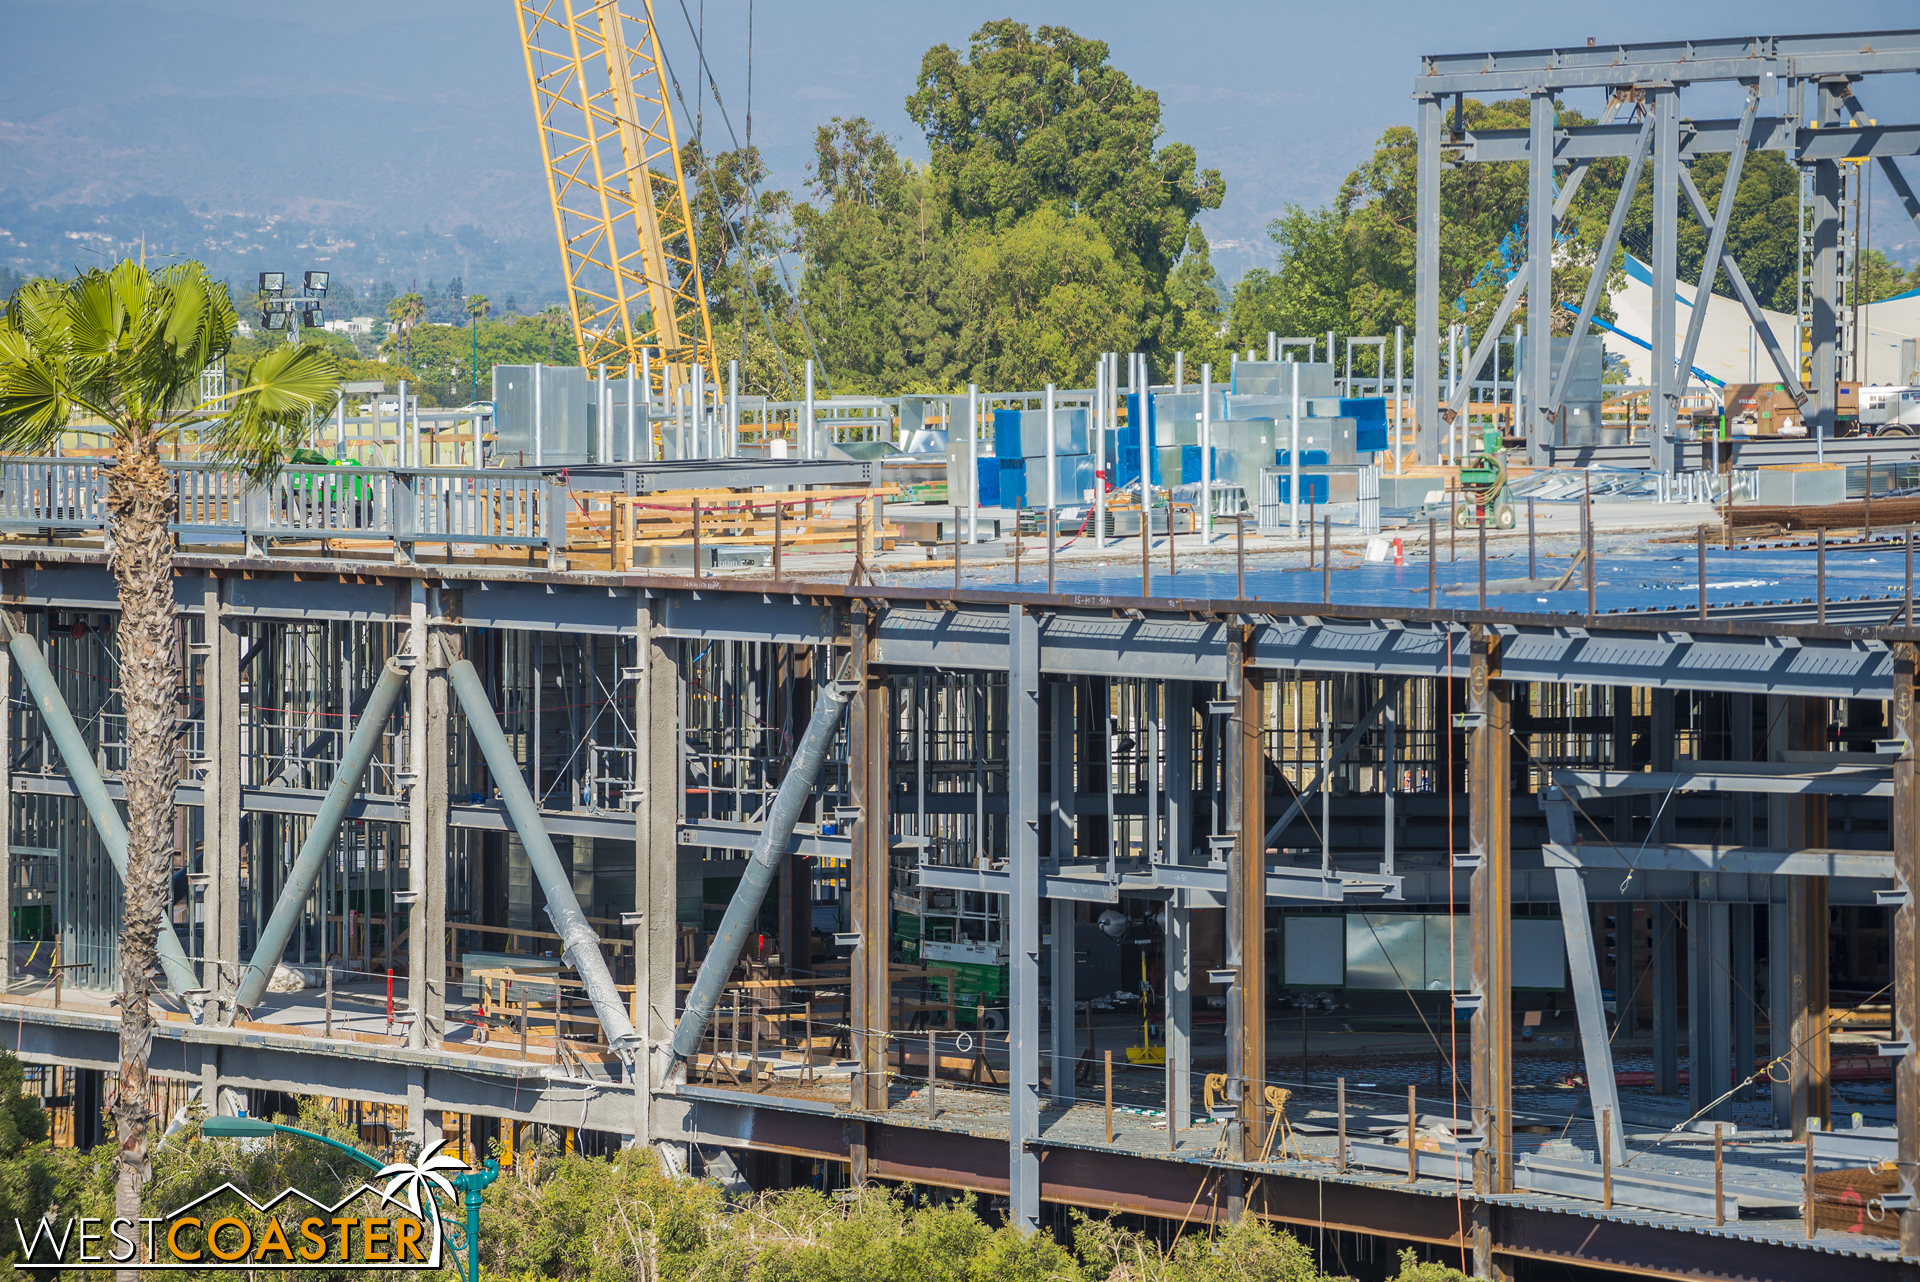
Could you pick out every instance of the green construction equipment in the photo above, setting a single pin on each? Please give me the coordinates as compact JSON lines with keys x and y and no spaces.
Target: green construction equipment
{"x":1485,"y":495}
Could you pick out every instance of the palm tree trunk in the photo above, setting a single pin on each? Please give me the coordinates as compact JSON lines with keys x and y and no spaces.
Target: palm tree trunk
{"x":140,"y":497}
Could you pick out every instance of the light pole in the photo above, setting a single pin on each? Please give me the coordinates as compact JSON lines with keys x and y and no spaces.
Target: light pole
{"x":280,"y":312}
{"x":471,"y":1185}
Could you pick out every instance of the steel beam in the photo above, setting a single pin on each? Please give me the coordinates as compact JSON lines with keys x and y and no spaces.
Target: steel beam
{"x":1489,"y":801}
{"x":1783,"y":364}
{"x":1746,"y":860}
{"x":1823,"y":322}
{"x":223,"y":780}
{"x":1603,"y":1093}
{"x":1748,"y":59}
{"x":1602,"y":268}
{"x":1716,"y":242}
{"x":1584,"y":144}
{"x":656,"y":774}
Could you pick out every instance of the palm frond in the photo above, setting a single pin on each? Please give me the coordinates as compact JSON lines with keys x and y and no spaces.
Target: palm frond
{"x":267,"y":418}
{"x":34,"y":404}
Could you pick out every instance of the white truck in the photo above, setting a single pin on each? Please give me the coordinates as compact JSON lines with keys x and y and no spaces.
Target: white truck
{"x":1891,"y":410}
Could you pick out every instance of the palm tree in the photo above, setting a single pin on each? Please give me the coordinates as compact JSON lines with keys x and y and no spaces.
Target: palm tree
{"x":555,"y":319}
{"x":127,"y":348}
{"x":404,"y":313}
{"x":478,"y":306}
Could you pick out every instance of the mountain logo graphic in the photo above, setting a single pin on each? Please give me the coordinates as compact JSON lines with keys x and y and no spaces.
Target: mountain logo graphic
{"x":390,"y":1222}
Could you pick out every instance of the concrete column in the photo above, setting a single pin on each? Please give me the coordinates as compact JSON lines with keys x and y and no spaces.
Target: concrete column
{"x":220,"y":854}
{"x":1905,"y":821}
{"x":1066,"y":1032}
{"x":1023,"y":916}
{"x":210,"y":1078}
{"x":1489,"y":785}
{"x":1709,"y":1013}
{"x":656,"y":692}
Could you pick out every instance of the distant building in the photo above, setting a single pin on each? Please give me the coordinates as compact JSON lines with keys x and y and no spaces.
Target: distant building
{"x":358,"y":325}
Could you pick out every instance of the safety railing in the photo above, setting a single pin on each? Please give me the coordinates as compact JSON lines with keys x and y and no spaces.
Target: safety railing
{"x":46,"y":494}
{"x":345,"y":508}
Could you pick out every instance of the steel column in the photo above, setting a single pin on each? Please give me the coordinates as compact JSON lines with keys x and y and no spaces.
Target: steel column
{"x":1905,"y":822}
{"x":1809,"y":1070}
{"x":871,"y":894}
{"x":1540,"y":228}
{"x":1429,"y":115}
{"x":1023,"y":915}
{"x":1823,"y":319}
{"x":1663,"y":923}
{"x":220,"y":812}
{"x":1247,"y":908}
{"x":1489,"y":788}
{"x":656,"y":774}
{"x":1709,"y":1012}
{"x":1060,"y":977}
{"x":1666,"y":251}
{"x":427,"y":918}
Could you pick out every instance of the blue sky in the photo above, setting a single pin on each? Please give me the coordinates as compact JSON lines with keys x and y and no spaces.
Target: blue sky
{"x":417,"y":110}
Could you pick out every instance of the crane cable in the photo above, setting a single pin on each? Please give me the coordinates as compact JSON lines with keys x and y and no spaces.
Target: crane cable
{"x":752,"y":190}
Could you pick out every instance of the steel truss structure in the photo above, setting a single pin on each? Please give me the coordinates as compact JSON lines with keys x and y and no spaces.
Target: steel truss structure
{"x":1816,"y":118}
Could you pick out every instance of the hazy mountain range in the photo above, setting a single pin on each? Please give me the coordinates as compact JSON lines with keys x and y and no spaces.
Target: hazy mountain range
{"x":394,"y":142}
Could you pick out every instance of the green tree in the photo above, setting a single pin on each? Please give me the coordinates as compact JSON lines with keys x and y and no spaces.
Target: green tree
{"x":1032,"y":118}
{"x":1043,"y":298}
{"x":1194,"y":290}
{"x":879,"y":263}
{"x":478,"y":306}
{"x":1348,"y":266}
{"x":1763,"y":234}
{"x":127,"y":347}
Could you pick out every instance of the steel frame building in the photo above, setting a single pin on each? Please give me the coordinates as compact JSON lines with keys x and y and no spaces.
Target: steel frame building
{"x":689,"y":672}
{"x":1818,"y":120}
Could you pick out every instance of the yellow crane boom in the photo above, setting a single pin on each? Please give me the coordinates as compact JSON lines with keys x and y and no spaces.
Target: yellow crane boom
{"x":619,"y":196}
